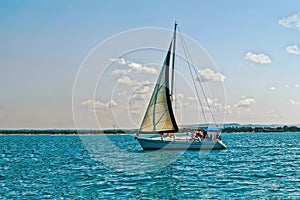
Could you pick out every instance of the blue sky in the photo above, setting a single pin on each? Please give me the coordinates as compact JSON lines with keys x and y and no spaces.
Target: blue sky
{"x":43,"y":44}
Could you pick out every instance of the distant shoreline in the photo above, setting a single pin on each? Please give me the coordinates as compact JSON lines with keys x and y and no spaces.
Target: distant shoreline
{"x":105,"y":134}
{"x":86,"y":135}
{"x":72,"y":132}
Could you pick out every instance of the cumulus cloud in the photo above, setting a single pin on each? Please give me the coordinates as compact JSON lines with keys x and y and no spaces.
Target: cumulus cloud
{"x":213,"y":104}
{"x":122,"y":94}
{"x":141,"y":93}
{"x":126,"y":80}
{"x":273,"y":88}
{"x":293,"y":49}
{"x":192,"y":98}
{"x":138,"y":100}
{"x":179,"y":96}
{"x":293,"y":102}
{"x":137,"y":97}
{"x":134,"y":67}
{"x":295,"y":85}
{"x":120,"y":61}
{"x":257,"y":58}
{"x":292,"y":21}
{"x":139,"y":68}
{"x":228,"y":109}
{"x":93,"y":104}
{"x":111,"y":104}
{"x":120,"y":72}
{"x":210,"y":75}
{"x":144,"y":89}
{"x":245,"y":103}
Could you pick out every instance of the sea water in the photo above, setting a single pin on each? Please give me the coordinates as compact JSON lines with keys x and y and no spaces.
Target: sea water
{"x":98,"y":167}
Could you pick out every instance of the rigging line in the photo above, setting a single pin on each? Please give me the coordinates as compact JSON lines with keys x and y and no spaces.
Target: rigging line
{"x":198,"y":78}
{"x":189,"y":65}
{"x":199,"y":82}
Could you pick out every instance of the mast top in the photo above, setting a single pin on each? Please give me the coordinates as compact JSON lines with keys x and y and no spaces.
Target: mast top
{"x":175,"y":25}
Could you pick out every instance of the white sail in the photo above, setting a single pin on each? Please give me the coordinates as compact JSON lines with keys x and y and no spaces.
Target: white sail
{"x":159,"y":115}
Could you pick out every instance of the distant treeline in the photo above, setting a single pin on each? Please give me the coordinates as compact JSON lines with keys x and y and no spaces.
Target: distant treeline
{"x":260,"y":129}
{"x":232,"y":129}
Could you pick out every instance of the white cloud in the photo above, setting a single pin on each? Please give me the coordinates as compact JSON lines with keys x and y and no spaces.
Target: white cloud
{"x":94,"y":104}
{"x":138,"y":101}
{"x":120,"y":72}
{"x":192,"y":98}
{"x":111,"y":104}
{"x":228,"y":109}
{"x":211,"y":101}
{"x":273,"y":88}
{"x":293,"y":49}
{"x":126,"y":80}
{"x":295,"y":85}
{"x":293,"y":102}
{"x":144,"y":89}
{"x":137,"y":97}
{"x":180,"y":96}
{"x":192,"y":103}
{"x":139,"y":68}
{"x":120,"y":61}
{"x":213,"y":104}
{"x":257,"y":58}
{"x":243,"y":105}
{"x":209,"y":75}
{"x":292,"y":21}
{"x":133,"y":67}
{"x":122,"y":94}
{"x":245,"y":102}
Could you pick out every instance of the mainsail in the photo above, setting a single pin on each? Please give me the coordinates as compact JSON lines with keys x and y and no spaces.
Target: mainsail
{"x":159,"y":116}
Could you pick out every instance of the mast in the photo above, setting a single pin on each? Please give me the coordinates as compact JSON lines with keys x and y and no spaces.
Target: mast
{"x":173,"y":61}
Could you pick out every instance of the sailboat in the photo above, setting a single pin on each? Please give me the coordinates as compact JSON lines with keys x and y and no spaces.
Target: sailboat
{"x":159,"y":117}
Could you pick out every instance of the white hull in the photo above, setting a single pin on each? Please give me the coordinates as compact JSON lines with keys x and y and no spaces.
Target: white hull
{"x":157,"y":143}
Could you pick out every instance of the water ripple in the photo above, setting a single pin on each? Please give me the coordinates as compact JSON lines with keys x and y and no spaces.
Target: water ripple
{"x":255,"y":166}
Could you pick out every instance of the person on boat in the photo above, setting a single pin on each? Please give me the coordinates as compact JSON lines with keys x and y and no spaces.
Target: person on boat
{"x":161,"y":136}
{"x":193,"y":136}
{"x":204,"y":134}
{"x":198,"y":133}
{"x":174,"y":137}
{"x":197,"y":136}
{"x":188,"y":135}
{"x":199,"y":139}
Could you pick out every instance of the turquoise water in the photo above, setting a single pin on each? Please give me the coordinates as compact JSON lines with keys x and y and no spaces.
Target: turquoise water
{"x":253,"y":166}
